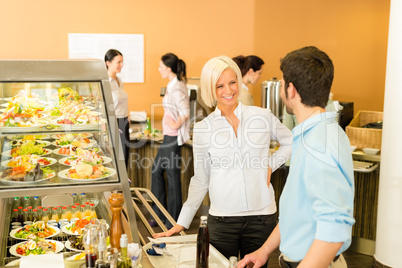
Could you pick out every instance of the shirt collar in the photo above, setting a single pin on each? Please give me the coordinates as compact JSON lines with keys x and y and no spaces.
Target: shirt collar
{"x":171,"y":84}
{"x":244,"y":86}
{"x":329,"y":117}
{"x":237,"y":111}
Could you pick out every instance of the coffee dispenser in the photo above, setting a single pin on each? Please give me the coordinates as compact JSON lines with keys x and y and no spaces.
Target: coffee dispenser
{"x":270,"y":97}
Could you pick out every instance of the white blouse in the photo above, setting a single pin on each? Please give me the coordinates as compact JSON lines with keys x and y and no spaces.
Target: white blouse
{"x":120,"y":98}
{"x":232,"y":169}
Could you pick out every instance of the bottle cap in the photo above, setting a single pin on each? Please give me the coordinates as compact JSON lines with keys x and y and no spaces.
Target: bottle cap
{"x":123,"y":241}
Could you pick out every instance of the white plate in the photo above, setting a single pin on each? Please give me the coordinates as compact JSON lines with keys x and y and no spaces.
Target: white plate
{"x":14,"y":263}
{"x":66,"y":231}
{"x":8,"y":153}
{"x":51,"y":160}
{"x":13,"y":249}
{"x":370,"y":150}
{"x":4,"y":104}
{"x":63,"y":174}
{"x":55,"y":151}
{"x":25,"y":129}
{"x":68,"y":246}
{"x":14,"y":231}
{"x":79,"y":127}
{"x":91,"y":143}
{"x":106,"y":160}
{"x":58,"y":136}
{"x":20,"y":137}
{"x":6,"y":181}
{"x":41,"y":142}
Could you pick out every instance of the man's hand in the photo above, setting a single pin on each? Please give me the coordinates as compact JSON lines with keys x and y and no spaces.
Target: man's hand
{"x":255,"y":259}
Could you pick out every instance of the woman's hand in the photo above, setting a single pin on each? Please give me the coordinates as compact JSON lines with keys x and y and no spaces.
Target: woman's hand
{"x":269,"y":176}
{"x":176,"y":124}
{"x":174,"y":230}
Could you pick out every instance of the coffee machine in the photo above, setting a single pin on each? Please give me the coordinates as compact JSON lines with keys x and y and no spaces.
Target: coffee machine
{"x":270,"y":97}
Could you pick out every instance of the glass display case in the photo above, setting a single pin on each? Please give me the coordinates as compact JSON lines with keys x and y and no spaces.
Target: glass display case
{"x":58,"y":135}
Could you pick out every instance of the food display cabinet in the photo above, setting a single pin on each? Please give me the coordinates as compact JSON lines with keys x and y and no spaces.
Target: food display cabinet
{"x":58,"y":137}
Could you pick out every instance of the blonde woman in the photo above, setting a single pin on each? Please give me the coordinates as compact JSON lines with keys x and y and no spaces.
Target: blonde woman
{"x":232,"y":163}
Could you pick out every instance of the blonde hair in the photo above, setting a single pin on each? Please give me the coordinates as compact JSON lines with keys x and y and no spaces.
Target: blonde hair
{"x":210,"y":74}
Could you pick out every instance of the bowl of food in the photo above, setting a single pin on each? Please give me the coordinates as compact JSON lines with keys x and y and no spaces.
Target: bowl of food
{"x":371,"y":150}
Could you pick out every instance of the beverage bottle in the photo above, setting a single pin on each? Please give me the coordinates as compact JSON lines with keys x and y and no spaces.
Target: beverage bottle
{"x":101,"y":262}
{"x":90,"y":241}
{"x":59,"y":211}
{"x":16,"y":202}
{"x":64,"y":213}
{"x":37,"y":202}
{"x":148,"y":128}
{"x":26,"y":202}
{"x":76,"y":198}
{"x":26,"y":216}
{"x":92,"y":211}
{"x":69,"y":213}
{"x":45,"y":215}
{"x":40,"y":212}
{"x":35,"y":215}
{"x":30,"y":213}
{"x":122,"y":262}
{"x":233,"y":262}
{"x":14,"y":215}
{"x":55,"y":215}
{"x":83,"y":198}
{"x":83,"y":210}
{"x":20,"y":215}
{"x":202,"y":244}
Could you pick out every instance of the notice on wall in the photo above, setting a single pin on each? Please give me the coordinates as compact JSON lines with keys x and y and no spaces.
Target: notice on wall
{"x":95,"y":46}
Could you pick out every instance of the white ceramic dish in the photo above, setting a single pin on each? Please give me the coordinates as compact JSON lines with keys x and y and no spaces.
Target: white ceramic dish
{"x":371,"y":150}
{"x":66,"y":231}
{"x":8,"y":153}
{"x":63,"y":174}
{"x":83,"y":135}
{"x":106,"y":160}
{"x":13,"y":249}
{"x":68,"y":246}
{"x":14,"y":231}
{"x":352,"y":148}
{"x":91,"y":143}
{"x":7,"y":181}
{"x":51,"y":160}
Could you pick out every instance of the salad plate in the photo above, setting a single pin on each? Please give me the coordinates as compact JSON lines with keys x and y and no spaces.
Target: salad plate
{"x":70,"y":247}
{"x":81,"y":135}
{"x":26,"y":234}
{"x":21,"y":247}
{"x":28,"y":137}
{"x":42,"y":143}
{"x":64,"y":174}
{"x":45,"y":152}
{"x":67,"y":160}
{"x":91,"y":143}
{"x":36,"y":127}
{"x":11,"y":182}
{"x":67,"y":229}
{"x":43,"y":161}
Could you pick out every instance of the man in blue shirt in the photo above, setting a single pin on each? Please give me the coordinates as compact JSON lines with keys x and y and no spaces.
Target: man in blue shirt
{"x":316,"y":205}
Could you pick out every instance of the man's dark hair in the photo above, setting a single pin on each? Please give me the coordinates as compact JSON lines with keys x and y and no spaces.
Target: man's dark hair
{"x":311,"y":71}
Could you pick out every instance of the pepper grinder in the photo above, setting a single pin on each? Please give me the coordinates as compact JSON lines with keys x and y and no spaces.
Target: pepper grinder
{"x":116,"y":201}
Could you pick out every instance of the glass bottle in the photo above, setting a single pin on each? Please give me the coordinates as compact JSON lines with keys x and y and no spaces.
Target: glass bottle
{"x":92,"y":211}
{"x":101,"y":262}
{"x":55,"y":215}
{"x":122,"y":262}
{"x":26,"y":215}
{"x":20,"y":215}
{"x":90,"y":240}
{"x":202,"y":244}
{"x":35,"y":215}
{"x":14,"y":215}
{"x":76,"y":198}
{"x":83,"y":198}
{"x":69,"y":213}
{"x":148,"y":128}
{"x":83,"y":210}
{"x":64,"y":213}
{"x":26,"y":202}
{"x":233,"y":262}
{"x":45,"y":215}
{"x":16,"y":202}
{"x":36,"y":202}
{"x":59,"y":211}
